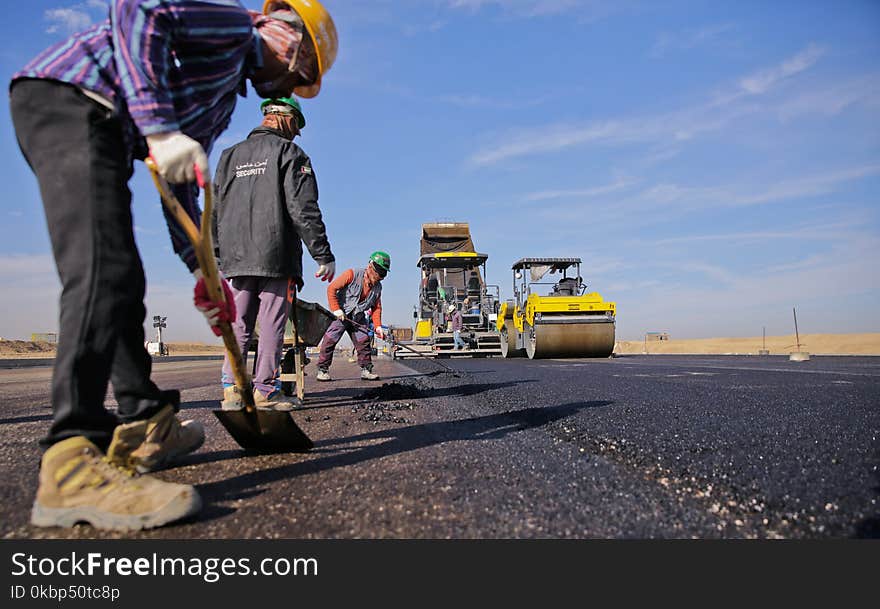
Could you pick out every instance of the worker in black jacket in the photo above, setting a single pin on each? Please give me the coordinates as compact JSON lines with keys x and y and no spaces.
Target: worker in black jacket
{"x":266,"y":206}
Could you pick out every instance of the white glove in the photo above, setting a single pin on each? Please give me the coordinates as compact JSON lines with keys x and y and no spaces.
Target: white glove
{"x":177,"y":155}
{"x":326,"y":271}
{"x":339,"y":314}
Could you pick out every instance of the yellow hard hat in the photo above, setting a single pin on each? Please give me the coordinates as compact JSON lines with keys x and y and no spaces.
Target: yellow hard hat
{"x":322,"y":30}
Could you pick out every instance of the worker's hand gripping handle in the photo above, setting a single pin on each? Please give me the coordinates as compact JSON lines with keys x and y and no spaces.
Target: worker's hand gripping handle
{"x":202,"y":243}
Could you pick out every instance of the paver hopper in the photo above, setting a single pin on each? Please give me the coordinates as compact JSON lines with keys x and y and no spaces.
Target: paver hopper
{"x":453,"y":273}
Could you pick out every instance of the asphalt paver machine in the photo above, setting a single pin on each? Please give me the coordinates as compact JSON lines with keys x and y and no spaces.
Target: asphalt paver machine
{"x":565,"y":321}
{"x":453,"y":273}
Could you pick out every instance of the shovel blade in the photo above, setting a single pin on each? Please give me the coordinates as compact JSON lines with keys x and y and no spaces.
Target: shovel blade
{"x":264,"y":431}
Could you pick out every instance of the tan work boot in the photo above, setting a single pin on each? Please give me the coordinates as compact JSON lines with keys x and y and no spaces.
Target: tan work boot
{"x":275,"y":401}
{"x":78,"y":483}
{"x":148,"y":445}
{"x":231,"y":399}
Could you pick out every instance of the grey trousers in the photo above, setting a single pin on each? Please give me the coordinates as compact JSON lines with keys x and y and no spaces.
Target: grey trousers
{"x":77,"y":150}
{"x":260,"y":301}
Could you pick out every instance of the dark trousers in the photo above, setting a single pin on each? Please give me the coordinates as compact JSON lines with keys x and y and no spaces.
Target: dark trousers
{"x":359,"y":338}
{"x":76,"y":149}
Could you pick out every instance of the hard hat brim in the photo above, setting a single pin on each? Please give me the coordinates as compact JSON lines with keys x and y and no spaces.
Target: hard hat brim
{"x":322,"y":37}
{"x":309,"y":91}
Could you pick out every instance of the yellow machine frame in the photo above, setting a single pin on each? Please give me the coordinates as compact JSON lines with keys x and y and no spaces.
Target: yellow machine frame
{"x":555,"y":309}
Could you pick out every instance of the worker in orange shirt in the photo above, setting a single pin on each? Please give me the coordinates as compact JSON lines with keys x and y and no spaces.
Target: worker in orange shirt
{"x":350,"y":296}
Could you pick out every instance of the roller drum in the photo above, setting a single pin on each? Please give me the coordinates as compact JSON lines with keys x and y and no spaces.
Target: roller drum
{"x":595,"y":339}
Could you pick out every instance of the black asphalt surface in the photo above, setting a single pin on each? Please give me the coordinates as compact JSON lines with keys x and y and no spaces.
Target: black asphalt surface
{"x":754,"y":447}
{"x":631,"y":447}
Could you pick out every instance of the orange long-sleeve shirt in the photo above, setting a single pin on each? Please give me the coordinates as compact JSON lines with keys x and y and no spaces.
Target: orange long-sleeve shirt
{"x":341,"y":282}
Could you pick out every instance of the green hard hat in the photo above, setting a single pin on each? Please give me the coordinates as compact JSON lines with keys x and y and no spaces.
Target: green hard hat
{"x":382,"y":260}
{"x":287,"y":101}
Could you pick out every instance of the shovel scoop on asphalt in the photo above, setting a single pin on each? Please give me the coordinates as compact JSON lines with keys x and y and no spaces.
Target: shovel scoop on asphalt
{"x":254,"y":430}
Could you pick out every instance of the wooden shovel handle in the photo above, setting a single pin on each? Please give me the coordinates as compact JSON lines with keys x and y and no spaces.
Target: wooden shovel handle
{"x":203,"y":245}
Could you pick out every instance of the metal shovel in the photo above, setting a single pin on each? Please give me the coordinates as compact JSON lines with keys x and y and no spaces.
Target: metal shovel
{"x":364,"y":328}
{"x":253,"y":429}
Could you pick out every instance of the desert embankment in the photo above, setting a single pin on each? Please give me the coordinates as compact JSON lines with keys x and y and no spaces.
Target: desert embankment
{"x":816,"y":344}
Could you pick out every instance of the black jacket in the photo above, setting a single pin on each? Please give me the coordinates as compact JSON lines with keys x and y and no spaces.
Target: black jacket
{"x":265,"y":207}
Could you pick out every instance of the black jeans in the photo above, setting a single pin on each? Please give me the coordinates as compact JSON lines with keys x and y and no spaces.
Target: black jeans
{"x":76,"y":148}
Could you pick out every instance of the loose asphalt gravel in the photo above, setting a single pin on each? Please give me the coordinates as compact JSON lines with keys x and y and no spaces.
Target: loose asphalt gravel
{"x":630,"y":447}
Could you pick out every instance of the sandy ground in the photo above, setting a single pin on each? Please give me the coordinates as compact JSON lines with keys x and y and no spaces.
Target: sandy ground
{"x":29,"y":349}
{"x":816,"y":344}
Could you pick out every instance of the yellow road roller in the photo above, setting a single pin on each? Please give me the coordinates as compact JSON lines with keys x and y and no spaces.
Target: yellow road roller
{"x":566,"y":321}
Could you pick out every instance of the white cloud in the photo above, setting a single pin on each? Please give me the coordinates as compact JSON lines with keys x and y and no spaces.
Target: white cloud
{"x":673,"y":198}
{"x":521,"y":7}
{"x":687,"y":39}
{"x":412,"y":30}
{"x":663,"y":129}
{"x":174,"y":300}
{"x":227,"y":139}
{"x":33,"y":282}
{"x":586,"y":11}
{"x":762,"y":80}
{"x":824,"y":232}
{"x":66,"y":20}
{"x":480,"y":101}
{"x":806,"y":186}
{"x":14,"y":267}
{"x":140,"y":230}
{"x":548,"y":139}
{"x":625,"y":215}
{"x":713,"y":271}
{"x":619,"y":184}
{"x":743,"y":303}
{"x":832,"y":100}
{"x":76,"y":17}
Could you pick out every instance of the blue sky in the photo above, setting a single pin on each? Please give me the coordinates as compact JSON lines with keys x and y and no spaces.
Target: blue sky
{"x":714,"y":164}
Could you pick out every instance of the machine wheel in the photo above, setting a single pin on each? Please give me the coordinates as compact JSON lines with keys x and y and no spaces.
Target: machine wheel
{"x":508,"y":341}
{"x":531,"y":340}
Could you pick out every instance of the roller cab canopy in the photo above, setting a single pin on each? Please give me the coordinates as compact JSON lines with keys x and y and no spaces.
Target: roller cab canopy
{"x":452,"y":260}
{"x":555,"y":264}
{"x":538,"y":267}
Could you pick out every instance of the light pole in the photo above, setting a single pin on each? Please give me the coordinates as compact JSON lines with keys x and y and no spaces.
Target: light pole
{"x":159,"y":323}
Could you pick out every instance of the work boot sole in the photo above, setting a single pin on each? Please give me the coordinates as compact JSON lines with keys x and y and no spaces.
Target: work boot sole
{"x":286,"y":405}
{"x":279,"y":408}
{"x":186,"y":503}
